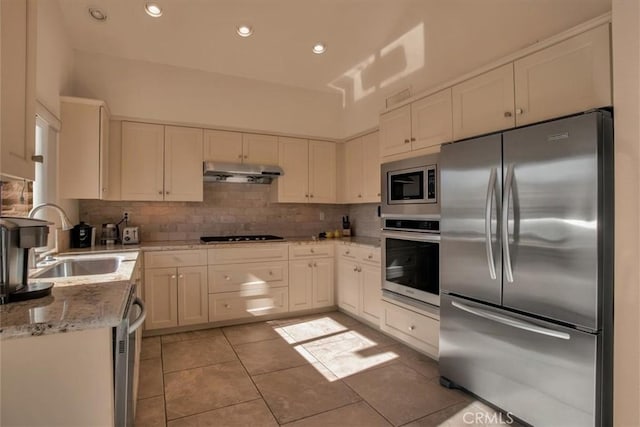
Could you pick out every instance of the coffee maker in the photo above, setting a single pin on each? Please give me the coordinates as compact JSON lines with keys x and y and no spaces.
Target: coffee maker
{"x":17,"y":237}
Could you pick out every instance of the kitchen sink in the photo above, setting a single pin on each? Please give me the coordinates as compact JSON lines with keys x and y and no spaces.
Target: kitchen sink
{"x":81,"y":267}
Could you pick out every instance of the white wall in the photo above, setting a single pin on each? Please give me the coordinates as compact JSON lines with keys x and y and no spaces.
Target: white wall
{"x":626,"y":101}
{"x":145,"y":90}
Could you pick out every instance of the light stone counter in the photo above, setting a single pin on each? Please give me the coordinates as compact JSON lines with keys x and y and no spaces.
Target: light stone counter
{"x":76,"y":303}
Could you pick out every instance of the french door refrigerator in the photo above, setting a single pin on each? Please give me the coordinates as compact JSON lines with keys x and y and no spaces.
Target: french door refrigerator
{"x":527,"y":269}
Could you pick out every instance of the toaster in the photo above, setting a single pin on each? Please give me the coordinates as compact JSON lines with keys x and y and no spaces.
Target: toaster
{"x":131,"y":235}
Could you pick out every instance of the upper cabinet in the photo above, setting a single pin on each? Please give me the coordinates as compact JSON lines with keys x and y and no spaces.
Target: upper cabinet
{"x":161,"y":162}
{"x":362,"y":169}
{"x":568,"y":77}
{"x":309,"y":171}
{"x":236,"y":147}
{"x":84,"y":135}
{"x":421,"y":124}
{"x":484,"y":103}
{"x":17,"y":82}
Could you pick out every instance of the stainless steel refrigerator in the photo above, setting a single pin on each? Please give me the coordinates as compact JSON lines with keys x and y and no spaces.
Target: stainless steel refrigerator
{"x":526,"y":261}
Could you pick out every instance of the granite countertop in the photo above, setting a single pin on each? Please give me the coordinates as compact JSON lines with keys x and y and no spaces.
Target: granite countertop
{"x":76,"y":303}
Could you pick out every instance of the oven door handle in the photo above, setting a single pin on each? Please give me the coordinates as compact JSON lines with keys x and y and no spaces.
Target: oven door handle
{"x":143,"y":314}
{"x":417,"y":236}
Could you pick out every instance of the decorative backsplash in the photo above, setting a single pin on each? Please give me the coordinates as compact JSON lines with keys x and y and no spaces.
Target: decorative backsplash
{"x":230,"y":209}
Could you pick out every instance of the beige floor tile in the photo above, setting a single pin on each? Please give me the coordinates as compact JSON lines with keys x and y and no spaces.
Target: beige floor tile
{"x":416,"y":361}
{"x":303,"y":391}
{"x":150,"y":412}
{"x":150,"y":348}
{"x":376,"y":336}
{"x":357,"y":414}
{"x":252,"y":332}
{"x":272,"y":355}
{"x":193,"y":391}
{"x":254,"y":413}
{"x":465,"y":414}
{"x":313,"y":328}
{"x":349,"y":353}
{"x":150,"y":384}
{"x":195,"y":353}
{"x":401,"y":394}
{"x":193,"y":335}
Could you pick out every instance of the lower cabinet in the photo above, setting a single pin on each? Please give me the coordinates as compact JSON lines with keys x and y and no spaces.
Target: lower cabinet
{"x":311,"y":283}
{"x":359,"y":282}
{"x":243,"y":304}
{"x":419,"y":330}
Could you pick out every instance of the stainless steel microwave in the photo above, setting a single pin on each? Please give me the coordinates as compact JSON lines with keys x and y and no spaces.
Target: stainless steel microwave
{"x":410,"y":186}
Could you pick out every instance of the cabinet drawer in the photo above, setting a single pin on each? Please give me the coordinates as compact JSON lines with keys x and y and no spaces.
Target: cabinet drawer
{"x":238,"y":305}
{"x":349,"y":252}
{"x":310,"y":251}
{"x":372,"y":255}
{"x":261,"y":253}
{"x":420,"y":331}
{"x":240,"y":277}
{"x":185,"y":258}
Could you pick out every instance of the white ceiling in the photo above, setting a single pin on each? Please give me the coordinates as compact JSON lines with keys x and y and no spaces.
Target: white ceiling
{"x":376,"y":41}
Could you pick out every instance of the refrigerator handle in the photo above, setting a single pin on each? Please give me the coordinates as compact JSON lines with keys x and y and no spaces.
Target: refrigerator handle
{"x":509,"y":321}
{"x":487,"y":223}
{"x":505,"y":224}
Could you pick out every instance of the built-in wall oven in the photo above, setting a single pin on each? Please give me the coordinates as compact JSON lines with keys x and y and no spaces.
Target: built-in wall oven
{"x":411,"y":258}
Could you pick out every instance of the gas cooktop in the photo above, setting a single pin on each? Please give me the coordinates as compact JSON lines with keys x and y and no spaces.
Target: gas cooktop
{"x":233,"y":239}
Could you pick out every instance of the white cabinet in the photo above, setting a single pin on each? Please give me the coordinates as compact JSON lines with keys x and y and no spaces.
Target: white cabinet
{"x":176,"y":288}
{"x":484,"y":103}
{"x":83,"y":157}
{"x":360,"y":281}
{"x":362,"y":169}
{"x":569,"y":77}
{"x":161,"y":162}
{"x":248,"y":281}
{"x":419,"y":330}
{"x":311,"y":276}
{"x":422,"y":124}
{"x":18,"y":88}
{"x":309,"y":171}
{"x":236,"y":147}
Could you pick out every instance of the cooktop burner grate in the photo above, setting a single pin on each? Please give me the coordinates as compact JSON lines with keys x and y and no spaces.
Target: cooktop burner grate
{"x":242,"y":238}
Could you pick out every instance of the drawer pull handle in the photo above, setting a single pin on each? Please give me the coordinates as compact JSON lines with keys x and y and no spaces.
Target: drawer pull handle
{"x":347,"y":252}
{"x":411,"y":328}
{"x":370,"y":256}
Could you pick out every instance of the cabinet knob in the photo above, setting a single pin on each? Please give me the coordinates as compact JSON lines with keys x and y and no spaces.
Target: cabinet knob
{"x":411,"y":328}
{"x":173,"y":276}
{"x":313,"y":251}
{"x":310,"y":265}
{"x":246,"y":157}
{"x":355,"y":269}
{"x":507,"y":114}
{"x":406,"y":141}
{"x":315,"y":264}
{"x":270,"y":273}
{"x":359,"y":195}
{"x":378,"y":194}
{"x":239,"y":156}
{"x":160,"y":192}
{"x":311,"y":195}
{"x":227,"y":277}
{"x":413,"y":139}
{"x":227,"y":306}
{"x":370,"y":256}
{"x":306,"y":195}
{"x":181,"y":276}
{"x":166,"y":192}
{"x":347,"y":252}
{"x":519,"y":111}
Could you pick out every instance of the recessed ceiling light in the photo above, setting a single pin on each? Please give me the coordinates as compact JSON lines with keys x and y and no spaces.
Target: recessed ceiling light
{"x":97,"y":14}
{"x":153,"y":9}
{"x":244,"y":31}
{"x":319,"y":48}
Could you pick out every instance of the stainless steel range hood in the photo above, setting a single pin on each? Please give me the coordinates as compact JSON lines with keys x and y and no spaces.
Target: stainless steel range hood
{"x":240,"y":172}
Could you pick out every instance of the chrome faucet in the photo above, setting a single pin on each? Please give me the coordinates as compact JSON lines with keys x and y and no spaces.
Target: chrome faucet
{"x":66,"y":222}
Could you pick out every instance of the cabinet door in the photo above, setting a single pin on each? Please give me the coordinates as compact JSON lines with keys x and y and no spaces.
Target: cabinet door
{"x":569,"y":77}
{"x":18,"y":94}
{"x":104,"y":152}
{"x":484,"y":103}
{"x":193,"y":299}
{"x":293,"y":156}
{"x":371,"y":185}
{"x":222,"y":146}
{"x":183,"y":164}
{"x":348,"y":286}
{"x":323,"y":282}
{"x":322,"y":172}
{"x":142,"y":161}
{"x":161,"y":297}
{"x":432,"y":120}
{"x":395,"y":131}
{"x":354,"y":173}
{"x":259,"y":149}
{"x":300,"y":285}
{"x":371,"y":298}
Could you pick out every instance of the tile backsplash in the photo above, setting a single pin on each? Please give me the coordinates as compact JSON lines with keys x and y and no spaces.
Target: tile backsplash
{"x":227,"y":209}
{"x":364,"y":220}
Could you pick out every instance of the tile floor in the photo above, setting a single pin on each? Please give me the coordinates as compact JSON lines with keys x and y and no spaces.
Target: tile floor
{"x":320,"y":370}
